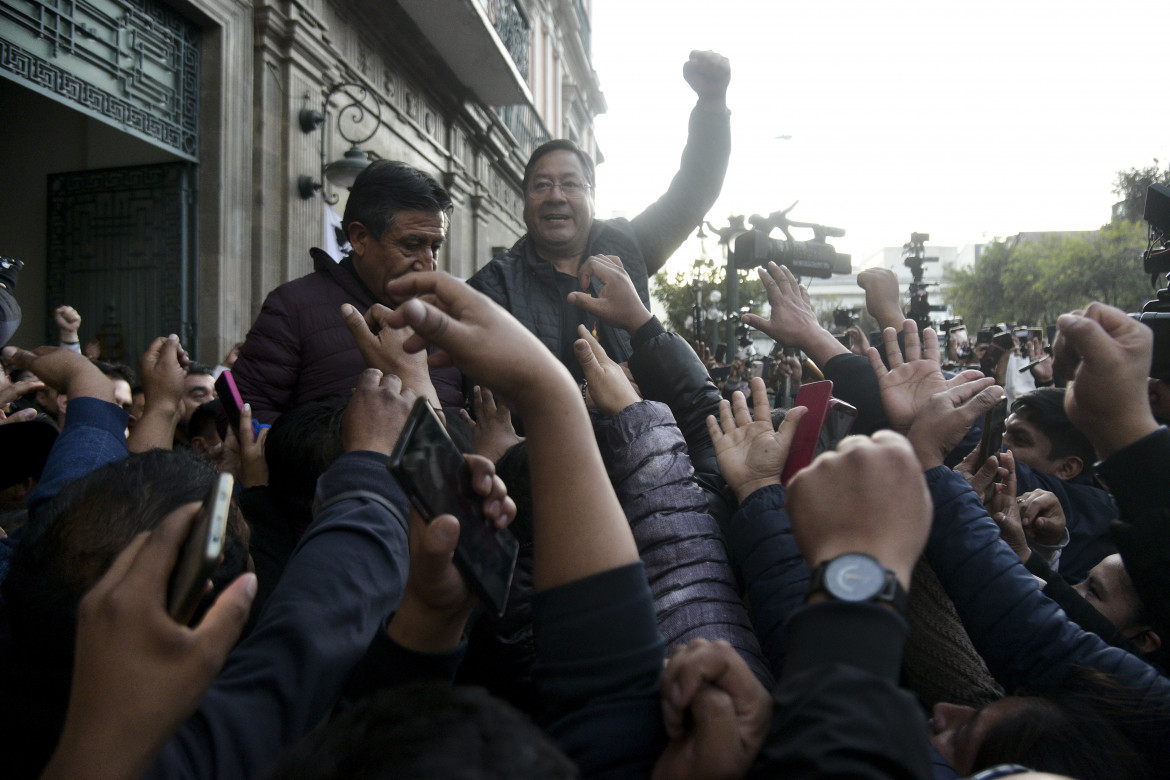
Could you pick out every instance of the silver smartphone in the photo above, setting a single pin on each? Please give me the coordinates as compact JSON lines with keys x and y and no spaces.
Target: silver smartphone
{"x":201,"y":551}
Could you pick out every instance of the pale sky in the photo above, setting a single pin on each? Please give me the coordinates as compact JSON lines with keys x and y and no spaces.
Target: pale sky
{"x":965,"y":120}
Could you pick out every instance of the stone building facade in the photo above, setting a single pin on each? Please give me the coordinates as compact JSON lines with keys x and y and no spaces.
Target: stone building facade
{"x":155,"y":148}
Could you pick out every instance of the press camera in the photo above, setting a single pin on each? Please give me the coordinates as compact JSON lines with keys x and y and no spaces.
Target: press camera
{"x":1156,"y":262}
{"x":815,"y":257}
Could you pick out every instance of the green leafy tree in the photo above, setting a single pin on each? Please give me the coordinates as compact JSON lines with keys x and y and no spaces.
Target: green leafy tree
{"x":1131,"y":187}
{"x":676,"y":296}
{"x":1034,"y":281}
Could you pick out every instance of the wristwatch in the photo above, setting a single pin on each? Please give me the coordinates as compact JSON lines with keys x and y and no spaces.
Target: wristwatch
{"x":858,"y":577}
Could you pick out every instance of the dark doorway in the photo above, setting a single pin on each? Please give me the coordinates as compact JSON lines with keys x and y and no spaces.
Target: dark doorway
{"x":121,"y":249}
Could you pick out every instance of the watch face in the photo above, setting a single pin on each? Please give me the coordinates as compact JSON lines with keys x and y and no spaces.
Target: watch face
{"x":854,"y":577}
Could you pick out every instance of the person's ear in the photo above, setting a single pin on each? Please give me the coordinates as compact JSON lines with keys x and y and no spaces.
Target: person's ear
{"x":200,"y":445}
{"x":359,"y":238}
{"x":1147,"y":641}
{"x":1069,"y":467}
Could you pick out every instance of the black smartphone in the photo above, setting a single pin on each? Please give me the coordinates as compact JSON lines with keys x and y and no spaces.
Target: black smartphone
{"x":200,"y":552}
{"x":720,"y":352}
{"x":992,"y":432}
{"x":845,"y":341}
{"x":436,"y":478}
{"x":838,"y":420}
{"x":720,"y":373}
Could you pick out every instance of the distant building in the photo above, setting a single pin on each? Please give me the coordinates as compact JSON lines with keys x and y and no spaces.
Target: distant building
{"x":155,"y":150}
{"x":843,"y":292}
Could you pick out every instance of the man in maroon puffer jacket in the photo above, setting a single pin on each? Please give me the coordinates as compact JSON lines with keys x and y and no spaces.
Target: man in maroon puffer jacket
{"x":300,"y":348}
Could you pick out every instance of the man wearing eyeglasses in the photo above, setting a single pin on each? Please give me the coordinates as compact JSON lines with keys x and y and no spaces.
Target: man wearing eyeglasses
{"x":533,"y":279}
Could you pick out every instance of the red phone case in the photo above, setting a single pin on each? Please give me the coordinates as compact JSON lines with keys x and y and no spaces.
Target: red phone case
{"x":815,"y":397}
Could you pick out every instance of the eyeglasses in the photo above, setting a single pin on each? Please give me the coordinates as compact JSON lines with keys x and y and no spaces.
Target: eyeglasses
{"x":539,"y":190}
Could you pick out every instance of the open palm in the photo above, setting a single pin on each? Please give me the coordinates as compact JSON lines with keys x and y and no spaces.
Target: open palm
{"x":908,"y":384}
{"x":750,"y":453}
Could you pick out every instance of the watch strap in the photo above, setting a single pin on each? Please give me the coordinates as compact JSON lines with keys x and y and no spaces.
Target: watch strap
{"x":891,"y":592}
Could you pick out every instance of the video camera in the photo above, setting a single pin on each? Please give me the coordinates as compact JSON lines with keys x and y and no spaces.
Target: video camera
{"x":1156,"y":262}
{"x":920,"y":306}
{"x":814,"y":258}
{"x":846,"y":318}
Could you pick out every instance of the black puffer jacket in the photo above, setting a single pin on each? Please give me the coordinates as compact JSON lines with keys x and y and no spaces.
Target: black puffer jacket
{"x":525,"y":285}
{"x":667,"y":369}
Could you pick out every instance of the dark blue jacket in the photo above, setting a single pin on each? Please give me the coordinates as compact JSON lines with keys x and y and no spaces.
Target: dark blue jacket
{"x":1088,"y":511}
{"x":343,"y":580}
{"x":1024,"y":637}
{"x":759,"y":538}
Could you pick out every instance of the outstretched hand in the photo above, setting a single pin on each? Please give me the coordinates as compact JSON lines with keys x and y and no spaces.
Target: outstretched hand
{"x":137,"y":673}
{"x":843,"y":503}
{"x":63,"y":370}
{"x":1041,"y":367}
{"x":1005,"y":510}
{"x":751,"y":454}
{"x":858,"y":341}
{"x":981,"y":476}
{"x":68,"y":321}
{"x":1107,"y":356}
{"x":618,"y":304}
{"x":381,"y":347}
{"x":792,"y":320}
{"x":163,"y":375}
{"x":376,"y":414}
{"x":15,"y":391}
{"x":716,"y":713}
{"x":940,"y":423}
{"x":881,"y":296}
{"x":909,"y":384}
{"x":708,"y":73}
{"x":481,"y":337}
{"x":1043,"y":517}
{"x":436,"y":601}
{"x":253,"y":464}
{"x":607,"y":384}
{"x":704,"y":354}
{"x":492,"y":428}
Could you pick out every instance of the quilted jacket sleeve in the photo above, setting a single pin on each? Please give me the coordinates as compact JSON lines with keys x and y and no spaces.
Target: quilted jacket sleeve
{"x":695,"y":593}
{"x":269,"y":364}
{"x":667,"y":369}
